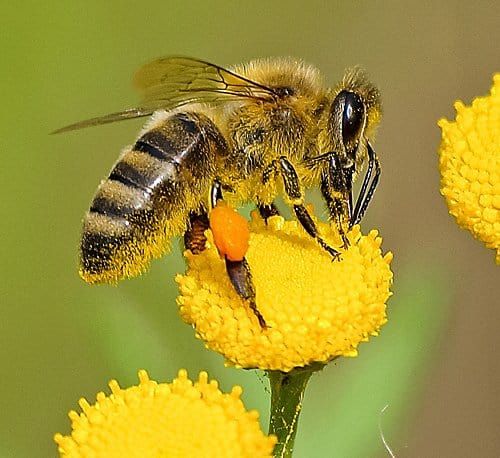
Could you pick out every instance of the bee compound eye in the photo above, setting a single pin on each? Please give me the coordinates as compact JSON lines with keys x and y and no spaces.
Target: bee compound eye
{"x":352,"y":109}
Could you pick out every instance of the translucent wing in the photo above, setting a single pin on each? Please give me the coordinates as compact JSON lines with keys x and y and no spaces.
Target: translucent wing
{"x":112,"y":117}
{"x":170,"y":82}
{"x":175,"y":79}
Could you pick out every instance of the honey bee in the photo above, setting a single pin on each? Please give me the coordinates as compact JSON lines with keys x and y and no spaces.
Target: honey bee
{"x":247,"y":134}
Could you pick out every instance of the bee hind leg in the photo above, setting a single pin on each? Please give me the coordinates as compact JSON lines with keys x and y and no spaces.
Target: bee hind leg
{"x":238,"y":271}
{"x":194,"y":237}
{"x":241,"y":278}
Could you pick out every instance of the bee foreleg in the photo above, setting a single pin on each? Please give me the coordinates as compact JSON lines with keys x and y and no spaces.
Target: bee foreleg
{"x":366,"y":192}
{"x":295,"y":195}
{"x":336,"y":186}
{"x":241,"y":278}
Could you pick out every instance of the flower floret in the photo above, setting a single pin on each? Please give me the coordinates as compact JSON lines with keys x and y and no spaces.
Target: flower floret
{"x":158,"y":419}
{"x":315,"y":309}
{"x":469,"y":161}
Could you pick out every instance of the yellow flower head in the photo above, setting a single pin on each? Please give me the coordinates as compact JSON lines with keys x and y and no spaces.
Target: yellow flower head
{"x":178,"y":419}
{"x":470,"y":166}
{"x":315,"y":309}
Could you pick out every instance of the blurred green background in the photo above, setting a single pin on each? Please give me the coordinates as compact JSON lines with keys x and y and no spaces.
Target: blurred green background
{"x":435,"y":363}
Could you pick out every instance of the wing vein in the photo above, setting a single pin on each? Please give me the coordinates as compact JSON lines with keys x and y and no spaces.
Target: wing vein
{"x":172,"y":82}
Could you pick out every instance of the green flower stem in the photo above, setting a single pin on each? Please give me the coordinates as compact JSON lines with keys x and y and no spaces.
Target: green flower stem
{"x":287,"y":392}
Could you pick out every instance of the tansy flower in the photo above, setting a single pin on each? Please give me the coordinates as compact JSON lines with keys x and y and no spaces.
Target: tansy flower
{"x":315,"y":309}
{"x":178,"y":419}
{"x":470,"y":166}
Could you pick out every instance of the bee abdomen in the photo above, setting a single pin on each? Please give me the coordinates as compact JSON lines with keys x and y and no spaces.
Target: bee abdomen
{"x":115,"y":199}
{"x":147,"y":197}
{"x":127,"y":173}
{"x":103,"y":236}
{"x":122,"y":219}
{"x":157,"y":145}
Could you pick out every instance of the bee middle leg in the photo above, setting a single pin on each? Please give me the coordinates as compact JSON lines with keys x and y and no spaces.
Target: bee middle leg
{"x":295,"y":195}
{"x":268,"y":210}
{"x":238,"y":271}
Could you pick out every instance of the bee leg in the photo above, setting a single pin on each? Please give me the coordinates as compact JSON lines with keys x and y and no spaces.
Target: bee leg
{"x":267,"y":210}
{"x":295,"y":195}
{"x":309,"y":225}
{"x":336,"y":186}
{"x":241,"y":278}
{"x":215,"y":193}
{"x":238,"y":271}
{"x":194,"y":237}
{"x":270,"y":171}
{"x":366,"y":192}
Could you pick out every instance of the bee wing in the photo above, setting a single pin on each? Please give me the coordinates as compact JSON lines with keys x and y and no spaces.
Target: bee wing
{"x":170,"y":82}
{"x":173,"y":80}
{"x":131,"y":113}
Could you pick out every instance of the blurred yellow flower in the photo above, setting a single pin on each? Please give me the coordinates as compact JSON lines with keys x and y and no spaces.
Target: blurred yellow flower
{"x":315,"y":309}
{"x":470,"y":166}
{"x":178,"y":419}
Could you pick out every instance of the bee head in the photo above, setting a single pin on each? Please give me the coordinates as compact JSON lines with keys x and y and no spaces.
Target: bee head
{"x":354,"y":113}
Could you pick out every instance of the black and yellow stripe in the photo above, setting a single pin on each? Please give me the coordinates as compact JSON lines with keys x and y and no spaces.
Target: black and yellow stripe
{"x":148,"y":196}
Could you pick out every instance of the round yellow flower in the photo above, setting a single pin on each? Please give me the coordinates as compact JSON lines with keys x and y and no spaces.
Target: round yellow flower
{"x":315,"y":309}
{"x":178,"y":419}
{"x":470,"y":166}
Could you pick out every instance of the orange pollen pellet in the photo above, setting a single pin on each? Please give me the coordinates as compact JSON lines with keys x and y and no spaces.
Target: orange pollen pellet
{"x":230,"y":231}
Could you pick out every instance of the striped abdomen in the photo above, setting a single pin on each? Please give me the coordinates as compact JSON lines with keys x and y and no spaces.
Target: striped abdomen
{"x":148,"y":195}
